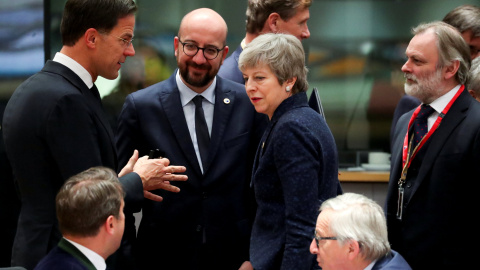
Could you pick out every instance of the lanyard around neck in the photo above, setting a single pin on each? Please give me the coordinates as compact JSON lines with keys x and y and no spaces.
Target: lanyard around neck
{"x":407,"y":152}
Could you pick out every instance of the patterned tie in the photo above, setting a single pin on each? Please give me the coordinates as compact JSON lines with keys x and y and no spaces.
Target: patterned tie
{"x":420,"y":125}
{"x":201,"y":129}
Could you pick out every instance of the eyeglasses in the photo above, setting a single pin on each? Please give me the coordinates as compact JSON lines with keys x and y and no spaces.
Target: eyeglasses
{"x":126,"y":43}
{"x":318,"y":239}
{"x":210,"y":52}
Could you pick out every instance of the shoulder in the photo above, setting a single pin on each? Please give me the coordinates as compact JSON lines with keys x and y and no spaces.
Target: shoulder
{"x":151,"y":92}
{"x":58,"y":259}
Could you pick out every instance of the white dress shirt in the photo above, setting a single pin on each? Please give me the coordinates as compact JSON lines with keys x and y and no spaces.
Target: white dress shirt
{"x":208,"y":104}
{"x":75,"y":67}
{"x":97,"y":260}
{"x":439,"y":104}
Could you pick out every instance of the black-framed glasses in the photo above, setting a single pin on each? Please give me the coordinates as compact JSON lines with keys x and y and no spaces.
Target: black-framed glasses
{"x":209,"y":52}
{"x":319,"y":238}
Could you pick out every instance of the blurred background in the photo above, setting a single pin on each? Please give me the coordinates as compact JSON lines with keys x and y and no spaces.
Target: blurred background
{"x":354,"y":55}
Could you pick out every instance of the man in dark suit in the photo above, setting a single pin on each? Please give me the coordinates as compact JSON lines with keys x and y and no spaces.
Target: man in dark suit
{"x":54,"y":125}
{"x":90,"y":233}
{"x":271,"y":16}
{"x":208,"y":223}
{"x":433,"y":185}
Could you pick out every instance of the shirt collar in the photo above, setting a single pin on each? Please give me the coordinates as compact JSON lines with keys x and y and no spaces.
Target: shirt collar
{"x":370,"y":266}
{"x":97,"y":260}
{"x":187,"y":94}
{"x":75,"y":67}
{"x":440,"y":103}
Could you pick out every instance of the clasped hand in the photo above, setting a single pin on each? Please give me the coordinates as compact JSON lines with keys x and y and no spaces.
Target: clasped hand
{"x":155,"y":174}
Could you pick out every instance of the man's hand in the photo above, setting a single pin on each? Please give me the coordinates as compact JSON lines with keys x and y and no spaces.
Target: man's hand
{"x":155,"y":174}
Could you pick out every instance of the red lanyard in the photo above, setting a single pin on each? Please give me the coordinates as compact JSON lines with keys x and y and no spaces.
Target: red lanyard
{"x":408,"y":153}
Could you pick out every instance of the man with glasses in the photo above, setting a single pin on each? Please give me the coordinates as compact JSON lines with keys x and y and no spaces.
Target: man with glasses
{"x":207,"y":124}
{"x":54,"y":125}
{"x":351,"y":233}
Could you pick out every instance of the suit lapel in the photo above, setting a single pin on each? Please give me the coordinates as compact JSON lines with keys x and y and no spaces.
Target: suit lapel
{"x":174,"y":112}
{"x":452,"y":119}
{"x":93,"y":102}
{"x":224,"y":103}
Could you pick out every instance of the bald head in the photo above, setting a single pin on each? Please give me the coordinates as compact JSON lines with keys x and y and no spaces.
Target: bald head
{"x":204,"y":19}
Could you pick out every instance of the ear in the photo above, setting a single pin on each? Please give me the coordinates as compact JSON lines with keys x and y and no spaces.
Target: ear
{"x":291,"y":82}
{"x":472,"y":93}
{"x":272,"y":22}
{"x":110,"y":225}
{"x":224,"y":53}
{"x":353,"y":249}
{"x":176,"y":43}
{"x":91,"y":36}
{"x":451,"y":70}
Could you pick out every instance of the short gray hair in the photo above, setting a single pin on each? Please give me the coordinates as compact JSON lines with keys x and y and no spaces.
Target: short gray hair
{"x":282,"y":53}
{"x":356,"y":217}
{"x":451,"y":47}
{"x":474,"y":80}
{"x":87,"y":199}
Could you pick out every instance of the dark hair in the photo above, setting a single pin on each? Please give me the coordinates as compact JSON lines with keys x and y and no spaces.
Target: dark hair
{"x":464,"y":18}
{"x":87,"y":199}
{"x":259,"y":10}
{"x":103,"y":15}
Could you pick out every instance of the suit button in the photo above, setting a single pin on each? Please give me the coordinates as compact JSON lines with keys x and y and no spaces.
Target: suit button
{"x":204,"y":195}
{"x":199,"y":228}
{"x":409,"y":185}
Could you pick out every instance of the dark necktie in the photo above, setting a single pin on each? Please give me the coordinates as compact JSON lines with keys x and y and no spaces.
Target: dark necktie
{"x":421,"y":125}
{"x":201,"y":129}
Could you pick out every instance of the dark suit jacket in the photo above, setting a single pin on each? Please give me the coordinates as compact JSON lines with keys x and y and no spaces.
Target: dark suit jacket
{"x":296,"y":169}
{"x":406,"y":104}
{"x":53,"y":128}
{"x":65,"y":256}
{"x":392,"y":261}
{"x":229,"y":69}
{"x":436,"y":228}
{"x":206,"y":225}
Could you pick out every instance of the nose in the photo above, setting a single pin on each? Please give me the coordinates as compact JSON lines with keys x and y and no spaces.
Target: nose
{"x":249,"y":86}
{"x":199,"y":58}
{"x":306,"y":33}
{"x":129,"y":51}
{"x":406,"y":67}
{"x":313,"y":247}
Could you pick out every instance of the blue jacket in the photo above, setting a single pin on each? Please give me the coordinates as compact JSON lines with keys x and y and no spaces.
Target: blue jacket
{"x":393,"y":261}
{"x":295,"y":170}
{"x":195,"y":226}
{"x":229,"y":69}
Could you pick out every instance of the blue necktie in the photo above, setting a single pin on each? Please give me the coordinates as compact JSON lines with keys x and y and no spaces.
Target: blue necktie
{"x":421,"y":125}
{"x":201,"y":129}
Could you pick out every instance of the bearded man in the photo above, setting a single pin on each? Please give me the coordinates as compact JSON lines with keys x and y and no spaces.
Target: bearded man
{"x":210,"y":220}
{"x":435,"y":155}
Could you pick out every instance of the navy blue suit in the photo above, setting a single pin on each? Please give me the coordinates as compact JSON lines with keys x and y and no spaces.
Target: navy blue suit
{"x":54,"y":127}
{"x":440,"y":191}
{"x":65,"y":256}
{"x":296,"y":169}
{"x":207,"y":224}
{"x":229,"y":69}
{"x":392,"y":261}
